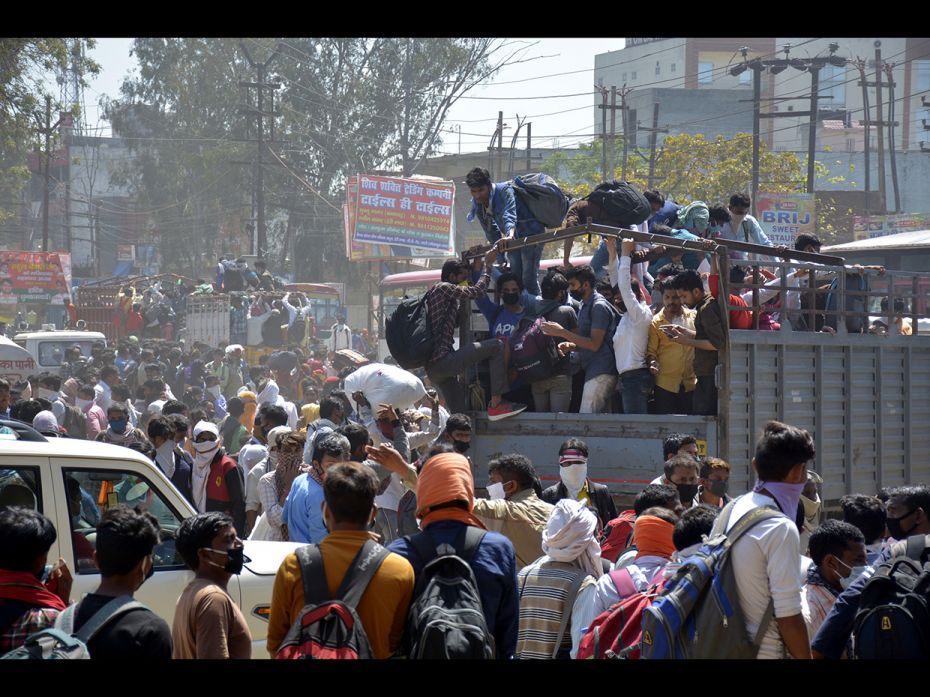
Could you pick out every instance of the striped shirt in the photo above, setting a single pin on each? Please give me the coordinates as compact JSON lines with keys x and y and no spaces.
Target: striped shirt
{"x":544,"y":600}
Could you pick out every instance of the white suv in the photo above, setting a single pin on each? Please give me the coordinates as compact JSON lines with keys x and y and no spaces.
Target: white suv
{"x":98,"y":476}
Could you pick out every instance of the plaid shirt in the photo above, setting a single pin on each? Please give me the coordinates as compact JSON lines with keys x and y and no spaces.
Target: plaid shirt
{"x":443,"y":305}
{"x":35,"y":619}
{"x":237,"y":321}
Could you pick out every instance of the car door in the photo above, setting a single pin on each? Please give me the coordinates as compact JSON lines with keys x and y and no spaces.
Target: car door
{"x":25,"y":481}
{"x":88,"y":488}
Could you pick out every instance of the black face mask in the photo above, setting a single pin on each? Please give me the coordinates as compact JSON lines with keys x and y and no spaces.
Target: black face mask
{"x":718,"y":487}
{"x":461,"y":446}
{"x":150,"y":572}
{"x":235,"y":558}
{"x":895,"y":529}
{"x":510,"y":298}
{"x":577,"y":295}
{"x":687,"y":492}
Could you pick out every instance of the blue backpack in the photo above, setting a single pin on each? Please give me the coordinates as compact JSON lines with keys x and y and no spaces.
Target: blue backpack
{"x":698,"y":614}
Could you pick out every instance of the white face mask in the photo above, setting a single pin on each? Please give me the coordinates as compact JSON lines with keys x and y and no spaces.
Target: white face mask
{"x":82,"y":404}
{"x":206,"y":446}
{"x":496,"y":491}
{"x":573,"y":476}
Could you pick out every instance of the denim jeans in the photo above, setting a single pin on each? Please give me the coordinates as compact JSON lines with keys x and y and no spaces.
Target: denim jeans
{"x":525,"y":264}
{"x":599,"y":261}
{"x":635,"y":390}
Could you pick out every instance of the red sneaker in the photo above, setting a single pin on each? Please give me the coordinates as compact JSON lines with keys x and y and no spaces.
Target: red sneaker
{"x":505,"y":409}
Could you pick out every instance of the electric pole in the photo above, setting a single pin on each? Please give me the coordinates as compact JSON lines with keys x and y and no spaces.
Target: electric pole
{"x":613,"y":131}
{"x":814,"y":69}
{"x":866,"y":123}
{"x":879,"y":124}
{"x":500,"y":144}
{"x":924,"y":102}
{"x":603,"y":107}
{"x":259,"y":242}
{"x":529,"y":145}
{"x":626,"y":132}
{"x":46,"y":128}
{"x":891,"y":148}
{"x":653,"y":142}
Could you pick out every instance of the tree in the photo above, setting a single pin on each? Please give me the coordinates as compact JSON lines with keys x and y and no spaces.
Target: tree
{"x":25,"y":65}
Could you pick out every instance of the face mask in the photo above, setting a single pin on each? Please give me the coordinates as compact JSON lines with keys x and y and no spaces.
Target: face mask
{"x":82,"y":404}
{"x":573,"y":476}
{"x":854,"y":573}
{"x":786,"y":495}
{"x":214,"y":390}
{"x":205,"y":446}
{"x":811,"y":508}
{"x":895,"y":529}
{"x":461,"y":446}
{"x":496,"y":491}
{"x":687,"y":492}
{"x":576,"y":295}
{"x":235,"y":558}
{"x":510,"y":298}
{"x":118,"y":425}
{"x":718,"y":487}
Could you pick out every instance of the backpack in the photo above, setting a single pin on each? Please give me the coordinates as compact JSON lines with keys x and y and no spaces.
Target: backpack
{"x":893,"y":620}
{"x":617,"y":632}
{"x":622,"y":202}
{"x":232,"y":277}
{"x":297,"y":331}
{"x":446,"y":621}
{"x":545,"y":201}
{"x":409,"y":333}
{"x":617,"y":535}
{"x":854,"y":303}
{"x":533,"y":355}
{"x":61,"y":641}
{"x":331,"y":629}
{"x":698,"y":614}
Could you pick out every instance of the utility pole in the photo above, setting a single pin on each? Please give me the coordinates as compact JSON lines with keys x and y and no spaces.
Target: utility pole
{"x":529,"y":145}
{"x":891,"y":125}
{"x":653,"y":141}
{"x":860,"y":64}
{"x":46,"y":128}
{"x":603,"y":132}
{"x":814,"y":69}
{"x":259,"y":242}
{"x":756,"y":116}
{"x":613,"y":131}
{"x":879,"y":124}
{"x":626,"y":131}
{"x":500,"y":143}
{"x":924,"y":102}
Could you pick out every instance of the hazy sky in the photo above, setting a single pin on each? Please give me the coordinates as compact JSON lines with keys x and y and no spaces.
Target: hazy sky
{"x":476,"y":115}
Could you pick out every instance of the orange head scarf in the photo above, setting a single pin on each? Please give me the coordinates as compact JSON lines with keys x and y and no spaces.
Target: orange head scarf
{"x":250,"y":402}
{"x":653,"y":537}
{"x":444,"y":478}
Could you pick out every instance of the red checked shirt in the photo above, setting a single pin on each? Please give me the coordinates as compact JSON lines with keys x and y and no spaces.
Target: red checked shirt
{"x":443,"y":305}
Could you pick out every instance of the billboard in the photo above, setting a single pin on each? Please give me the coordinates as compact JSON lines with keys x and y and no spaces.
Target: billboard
{"x":868,"y":226}
{"x":414,"y":215}
{"x":33,"y":277}
{"x":784,"y":216}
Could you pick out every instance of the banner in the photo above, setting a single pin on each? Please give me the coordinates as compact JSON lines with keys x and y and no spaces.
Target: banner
{"x":784,"y":216}
{"x":406,"y":212}
{"x":32,"y":277}
{"x":868,"y":226}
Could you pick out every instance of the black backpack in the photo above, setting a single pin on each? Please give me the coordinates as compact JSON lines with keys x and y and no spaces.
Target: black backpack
{"x":232,"y":278}
{"x":622,"y":202}
{"x":446,"y":619}
{"x":409,"y":334}
{"x":893,"y":620}
{"x":545,"y":201}
{"x":297,"y":330}
{"x":330,"y":628}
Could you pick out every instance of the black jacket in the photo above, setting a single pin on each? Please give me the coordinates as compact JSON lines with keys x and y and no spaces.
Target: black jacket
{"x":600,"y":496}
{"x":183,"y":466}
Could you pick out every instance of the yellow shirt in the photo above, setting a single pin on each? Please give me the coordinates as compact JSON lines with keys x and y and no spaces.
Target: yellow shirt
{"x":676,"y":362}
{"x":382,"y":609}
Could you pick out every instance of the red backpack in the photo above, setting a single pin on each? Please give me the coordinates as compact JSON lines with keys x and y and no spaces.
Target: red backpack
{"x":617,"y":535}
{"x":618,"y":632}
{"x":331,"y":629}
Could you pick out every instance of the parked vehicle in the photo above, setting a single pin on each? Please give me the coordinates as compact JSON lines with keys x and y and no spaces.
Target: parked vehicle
{"x":47,"y":347}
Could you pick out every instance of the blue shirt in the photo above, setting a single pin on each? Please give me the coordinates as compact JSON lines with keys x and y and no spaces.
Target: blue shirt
{"x":507,"y":212}
{"x":834,"y":633}
{"x":690,"y":260}
{"x":302,"y":511}
{"x":749,"y":231}
{"x":503,"y":320}
{"x":666,"y":215}
{"x":596,"y":314}
{"x":495,"y":568}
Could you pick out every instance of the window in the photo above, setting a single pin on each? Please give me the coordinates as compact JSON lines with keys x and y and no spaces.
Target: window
{"x":624,"y":77}
{"x":705,"y":73}
{"x":658,"y":68}
{"x":52,"y":352}
{"x":833,"y":84}
{"x":91,"y":492}
{"x":673,"y":67}
{"x":634,"y":75}
{"x":745,"y":77}
{"x":921,"y":76}
{"x":20,"y":486}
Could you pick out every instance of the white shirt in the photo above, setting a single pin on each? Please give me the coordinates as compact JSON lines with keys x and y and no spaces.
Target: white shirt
{"x":642,"y":571}
{"x":766,"y":564}
{"x":341,"y":337}
{"x":103,"y":395}
{"x":632,"y":334}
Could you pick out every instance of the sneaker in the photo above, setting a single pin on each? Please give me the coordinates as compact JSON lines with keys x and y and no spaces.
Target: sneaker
{"x":505,"y":409}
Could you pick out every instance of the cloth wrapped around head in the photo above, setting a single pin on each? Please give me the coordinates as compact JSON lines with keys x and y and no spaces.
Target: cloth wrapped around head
{"x":445,"y":478}
{"x":250,"y":406}
{"x":652,"y":536}
{"x":570,"y":536}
